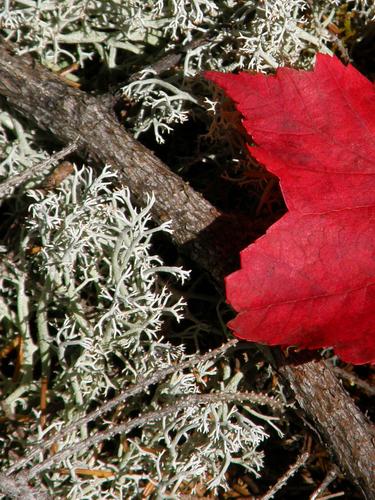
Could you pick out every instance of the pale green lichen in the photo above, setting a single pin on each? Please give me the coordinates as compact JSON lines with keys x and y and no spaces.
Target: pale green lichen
{"x":96,"y":308}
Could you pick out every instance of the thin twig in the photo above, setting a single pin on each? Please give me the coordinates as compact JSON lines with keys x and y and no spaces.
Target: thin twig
{"x":354,"y":379}
{"x":131,"y":391}
{"x":330,"y":476}
{"x":333,"y":495}
{"x":167,"y":61}
{"x":301,"y":460}
{"x":9,"y":185}
{"x":187,"y":402}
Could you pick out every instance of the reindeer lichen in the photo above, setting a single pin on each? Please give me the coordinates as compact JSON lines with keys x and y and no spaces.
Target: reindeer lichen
{"x":89,"y":306}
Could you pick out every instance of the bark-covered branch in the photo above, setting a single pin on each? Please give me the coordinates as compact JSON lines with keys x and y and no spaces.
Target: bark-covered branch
{"x":344,"y":429}
{"x":209,"y":237}
{"x":9,"y":185}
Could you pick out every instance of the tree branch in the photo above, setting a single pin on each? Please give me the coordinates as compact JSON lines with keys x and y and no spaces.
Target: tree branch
{"x":188,"y":401}
{"x":8,"y":186}
{"x":209,"y":237}
{"x":131,"y":391}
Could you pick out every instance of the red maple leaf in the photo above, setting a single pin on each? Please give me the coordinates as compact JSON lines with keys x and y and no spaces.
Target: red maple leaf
{"x":310,"y":280}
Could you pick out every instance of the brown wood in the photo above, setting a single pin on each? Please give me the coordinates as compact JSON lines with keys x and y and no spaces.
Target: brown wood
{"x":209,"y":237}
{"x":344,"y":429}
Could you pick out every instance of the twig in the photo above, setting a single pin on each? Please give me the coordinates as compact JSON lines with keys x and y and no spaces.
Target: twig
{"x":9,"y":185}
{"x":333,"y":495}
{"x":330,"y":476}
{"x":167,"y":61}
{"x":354,"y":379}
{"x":209,"y":237}
{"x":131,"y":391}
{"x":346,"y":430}
{"x":187,"y":402}
{"x":301,"y":460}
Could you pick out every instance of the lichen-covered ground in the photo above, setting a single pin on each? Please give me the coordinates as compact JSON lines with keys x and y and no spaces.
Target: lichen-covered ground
{"x":94,"y":296}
